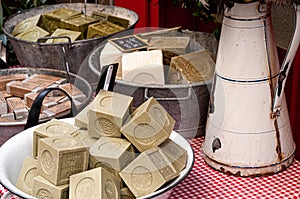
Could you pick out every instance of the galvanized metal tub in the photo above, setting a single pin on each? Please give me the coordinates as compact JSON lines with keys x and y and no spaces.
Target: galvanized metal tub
{"x":38,"y":54}
{"x":186,"y":103}
{"x":9,"y":129}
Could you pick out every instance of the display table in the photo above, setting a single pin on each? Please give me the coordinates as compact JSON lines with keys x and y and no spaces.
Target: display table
{"x":205,"y":182}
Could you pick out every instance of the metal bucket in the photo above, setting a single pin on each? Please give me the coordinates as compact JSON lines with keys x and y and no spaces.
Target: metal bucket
{"x":186,"y":103}
{"x":37,"y":54}
{"x":9,"y":129}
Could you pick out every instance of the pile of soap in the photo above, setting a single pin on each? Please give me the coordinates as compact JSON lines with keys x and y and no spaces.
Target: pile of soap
{"x":68,"y":23}
{"x":167,"y":60}
{"x":18,"y":91}
{"x":111,"y":151}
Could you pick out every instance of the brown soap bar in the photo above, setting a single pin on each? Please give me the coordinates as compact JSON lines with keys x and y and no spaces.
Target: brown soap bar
{"x":175,"y":154}
{"x":60,"y":157}
{"x":193,"y":67}
{"x":45,"y":189}
{"x":149,"y":126}
{"x":19,"y":89}
{"x":58,"y":110}
{"x":51,"y":128}
{"x":112,"y":153}
{"x":148,"y":172}
{"x":17,"y":106}
{"x":109,"y":113}
{"x":73,"y":91}
{"x":12,"y":77}
{"x":26,"y":175}
{"x":52,"y":19}
{"x":39,"y":81}
{"x":3,"y":104}
{"x":94,"y":184}
{"x":176,"y":45}
{"x":47,"y":102}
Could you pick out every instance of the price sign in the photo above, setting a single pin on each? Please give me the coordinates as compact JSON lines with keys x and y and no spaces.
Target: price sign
{"x":129,"y":43}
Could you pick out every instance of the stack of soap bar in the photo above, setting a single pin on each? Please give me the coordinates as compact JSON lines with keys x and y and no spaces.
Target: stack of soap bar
{"x":42,"y":188}
{"x":60,"y":157}
{"x":17,"y":106}
{"x":148,"y":172}
{"x":144,"y":67}
{"x":28,"y":172}
{"x":94,"y":184}
{"x":193,"y":67}
{"x":9,"y":78}
{"x":73,"y":35}
{"x":111,"y":54}
{"x":108,"y":114}
{"x":149,"y":126}
{"x":114,"y":154}
{"x":50,"y":129}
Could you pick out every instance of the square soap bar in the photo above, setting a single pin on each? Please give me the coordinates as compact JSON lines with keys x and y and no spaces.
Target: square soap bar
{"x":42,"y":188}
{"x":109,"y":112}
{"x":26,"y":175}
{"x":144,"y":67}
{"x":60,"y":157}
{"x":52,"y":128}
{"x":176,"y":45}
{"x":149,"y":126}
{"x":94,"y":184}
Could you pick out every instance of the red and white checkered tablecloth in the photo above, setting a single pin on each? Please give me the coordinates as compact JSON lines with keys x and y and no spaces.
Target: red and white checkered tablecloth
{"x":205,"y":182}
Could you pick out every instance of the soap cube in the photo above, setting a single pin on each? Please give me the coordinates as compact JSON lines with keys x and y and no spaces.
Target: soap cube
{"x":94,"y":184}
{"x":81,"y":119}
{"x":72,"y":35}
{"x":143,"y":67}
{"x":102,"y":29}
{"x":45,"y":189}
{"x":87,"y":140}
{"x":60,"y":157}
{"x":148,"y":172}
{"x":111,"y":153}
{"x":109,"y":113}
{"x":33,"y":34}
{"x":51,"y":128}
{"x":149,"y":126}
{"x":26,"y":175}
{"x":26,"y":24}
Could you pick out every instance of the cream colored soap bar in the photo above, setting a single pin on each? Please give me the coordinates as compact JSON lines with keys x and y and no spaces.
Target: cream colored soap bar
{"x":112,"y":153}
{"x":81,"y":119}
{"x":42,"y":188}
{"x":51,"y":128}
{"x":87,"y":140}
{"x":175,"y":154}
{"x":109,"y":113}
{"x":193,"y":67}
{"x":111,"y":54}
{"x":60,"y":157}
{"x":26,"y":175}
{"x":149,"y":126}
{"x":94,"y":184}
{"x":144,"y":67}
{"x":3,"y":104}
{"x":148,"y":172}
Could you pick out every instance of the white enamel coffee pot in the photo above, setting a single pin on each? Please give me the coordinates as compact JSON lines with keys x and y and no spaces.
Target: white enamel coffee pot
{"x":248,"y":130}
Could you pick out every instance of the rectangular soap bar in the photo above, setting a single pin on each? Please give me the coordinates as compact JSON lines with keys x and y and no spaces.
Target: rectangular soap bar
{"x":17,"y":106}
{"x":60,"y":109}
{"x":33,"y":34}
{"x":26,"y":24}
{"x":177,"y":45}
{"x":144,"y":67}
{"x":56,"y":79}
{"x":42,"y":188}
{"x":39,"y":81}
{"x":102,"y":29}
{"x":8,"y":78}
{"x":73,"y":91}
{"x":19,"y":89}
{"x":66,"y":155}
{"x":26,"y":175}
{"x":73,"y":35}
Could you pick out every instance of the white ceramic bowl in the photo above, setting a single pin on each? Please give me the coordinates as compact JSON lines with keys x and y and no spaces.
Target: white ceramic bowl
{"x":16,"y":149}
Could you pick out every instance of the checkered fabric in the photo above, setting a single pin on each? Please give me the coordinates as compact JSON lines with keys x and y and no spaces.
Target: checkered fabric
{"x":205,"y":182}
